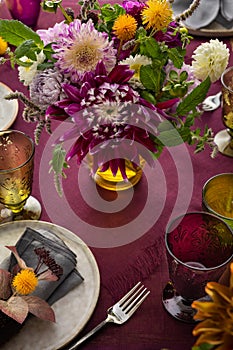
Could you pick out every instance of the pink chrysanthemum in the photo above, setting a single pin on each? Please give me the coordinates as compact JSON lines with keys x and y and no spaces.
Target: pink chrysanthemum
{"x":79,"y":47}
{"x":52,"y":34}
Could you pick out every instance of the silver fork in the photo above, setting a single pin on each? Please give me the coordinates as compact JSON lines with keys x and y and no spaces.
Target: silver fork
{"x":120,"y":312}
{"x":211,"y":102}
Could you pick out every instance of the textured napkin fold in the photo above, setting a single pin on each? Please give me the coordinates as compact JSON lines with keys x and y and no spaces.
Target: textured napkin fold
{"x":207,"y":12}
{"x":227,"y":9}
{"x":48,"y":290}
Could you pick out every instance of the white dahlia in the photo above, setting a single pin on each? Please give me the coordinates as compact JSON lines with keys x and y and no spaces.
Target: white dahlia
{"x":210,"y":59}
{"x":26,"y":74}
{"x":135,"y":63}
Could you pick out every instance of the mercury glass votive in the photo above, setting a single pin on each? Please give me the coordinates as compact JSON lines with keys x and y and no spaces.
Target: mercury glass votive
{"x":217,"y":196}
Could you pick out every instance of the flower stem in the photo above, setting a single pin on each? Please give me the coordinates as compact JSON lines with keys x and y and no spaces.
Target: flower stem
{"x":67,"y":17}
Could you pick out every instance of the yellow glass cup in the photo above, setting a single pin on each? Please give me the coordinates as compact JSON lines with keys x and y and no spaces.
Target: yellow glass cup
{"x":16,"y":169}
{"x":217,"y":196}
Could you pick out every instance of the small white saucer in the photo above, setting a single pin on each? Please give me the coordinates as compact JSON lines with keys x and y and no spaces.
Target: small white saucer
{"x":8,"y":108}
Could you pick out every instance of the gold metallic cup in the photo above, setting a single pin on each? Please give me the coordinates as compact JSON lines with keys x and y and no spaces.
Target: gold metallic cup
{"x":217,"y":196}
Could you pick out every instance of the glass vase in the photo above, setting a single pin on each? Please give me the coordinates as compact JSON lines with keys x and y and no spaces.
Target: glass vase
{"x":26,"y":11}
{"x":107,"y":180}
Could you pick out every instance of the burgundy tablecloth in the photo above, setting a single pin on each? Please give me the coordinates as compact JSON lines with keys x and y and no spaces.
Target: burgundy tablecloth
{"x":128,"y":244}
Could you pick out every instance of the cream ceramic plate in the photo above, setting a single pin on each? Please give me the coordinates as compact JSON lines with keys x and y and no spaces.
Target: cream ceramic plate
{"x":73,"y":310}
{"x":8,"y":108}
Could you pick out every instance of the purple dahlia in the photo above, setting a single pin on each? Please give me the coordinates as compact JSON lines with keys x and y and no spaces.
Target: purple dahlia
{"x":105,"y":112}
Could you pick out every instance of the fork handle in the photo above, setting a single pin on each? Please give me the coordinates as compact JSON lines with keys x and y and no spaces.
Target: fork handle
{"x":89,"y":334}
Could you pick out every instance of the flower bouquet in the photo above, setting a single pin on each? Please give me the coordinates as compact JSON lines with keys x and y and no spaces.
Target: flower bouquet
{"x":117,"y":74}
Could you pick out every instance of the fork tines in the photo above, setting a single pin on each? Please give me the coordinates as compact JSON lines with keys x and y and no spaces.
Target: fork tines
{"x":134,"y":298}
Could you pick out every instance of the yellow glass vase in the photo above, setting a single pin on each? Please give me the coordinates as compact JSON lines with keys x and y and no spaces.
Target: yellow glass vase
{"x":107,"y":180}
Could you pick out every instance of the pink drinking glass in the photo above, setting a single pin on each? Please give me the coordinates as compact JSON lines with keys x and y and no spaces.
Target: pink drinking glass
{"x":26,"y":11}
{"x":199,"y":246}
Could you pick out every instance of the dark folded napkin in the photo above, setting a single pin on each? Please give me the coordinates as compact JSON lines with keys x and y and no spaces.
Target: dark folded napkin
{"x":50,"y":291}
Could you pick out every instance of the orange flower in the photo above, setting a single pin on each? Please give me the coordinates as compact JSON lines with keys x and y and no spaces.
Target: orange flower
{"x":216,"y":327}
{"x":25,"y":282}
{"x":125,"y":27}
{"x":3,"y":46}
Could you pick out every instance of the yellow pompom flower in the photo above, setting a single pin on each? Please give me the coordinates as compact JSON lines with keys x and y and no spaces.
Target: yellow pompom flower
{"x":25,"y":282}
{"x":125,"y":27}
{"x":157,"y":14}
{"x":3,"y":46}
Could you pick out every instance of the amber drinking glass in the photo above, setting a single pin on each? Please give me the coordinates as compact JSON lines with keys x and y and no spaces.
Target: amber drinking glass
{"x":199,"y":246}
{"x":16,"y":174}
{"x":224,"y":138}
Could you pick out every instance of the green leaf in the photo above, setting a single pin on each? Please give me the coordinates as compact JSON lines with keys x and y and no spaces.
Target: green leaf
{"x":168,"y":135}
{"x":45,"y":65}
{"x":48,"y":51}
{"x":141,"y":33}
{"x":176,"y":55}
{"x":150,"y":78}
{"x":185,"y":134}
{"x":149,"y":47}
{"x":189,"y":121}
{"x":148,"y":96}
{"x":194,"y":98}
{"x":183,"y":75}
{"x":58,"y":160}
{"x":110,"y":13}
{"x":15,"y":33}
{"x":173,"y":75}
{"x":27,"y":48}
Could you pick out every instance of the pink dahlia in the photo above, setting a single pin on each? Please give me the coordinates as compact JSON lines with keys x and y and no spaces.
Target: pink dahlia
{"x":51,"y":35}
{"x":79,"y":47}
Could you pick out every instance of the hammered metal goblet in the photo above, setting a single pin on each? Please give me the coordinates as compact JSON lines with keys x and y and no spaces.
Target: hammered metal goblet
{"x":199,"y":245}
{"x":217,"y":196}
{"x":16,"y":176}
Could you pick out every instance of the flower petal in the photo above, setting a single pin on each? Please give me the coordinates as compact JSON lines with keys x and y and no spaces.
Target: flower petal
{"x":20,"y":261}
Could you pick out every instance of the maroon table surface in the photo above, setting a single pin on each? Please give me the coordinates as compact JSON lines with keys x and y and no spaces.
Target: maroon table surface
{"x":128,"y":243}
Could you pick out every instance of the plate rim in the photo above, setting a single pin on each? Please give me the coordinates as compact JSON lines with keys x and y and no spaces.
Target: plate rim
{"x":207,"y":32}
{"x":64,"y":231}
{"x":16,"y":102}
